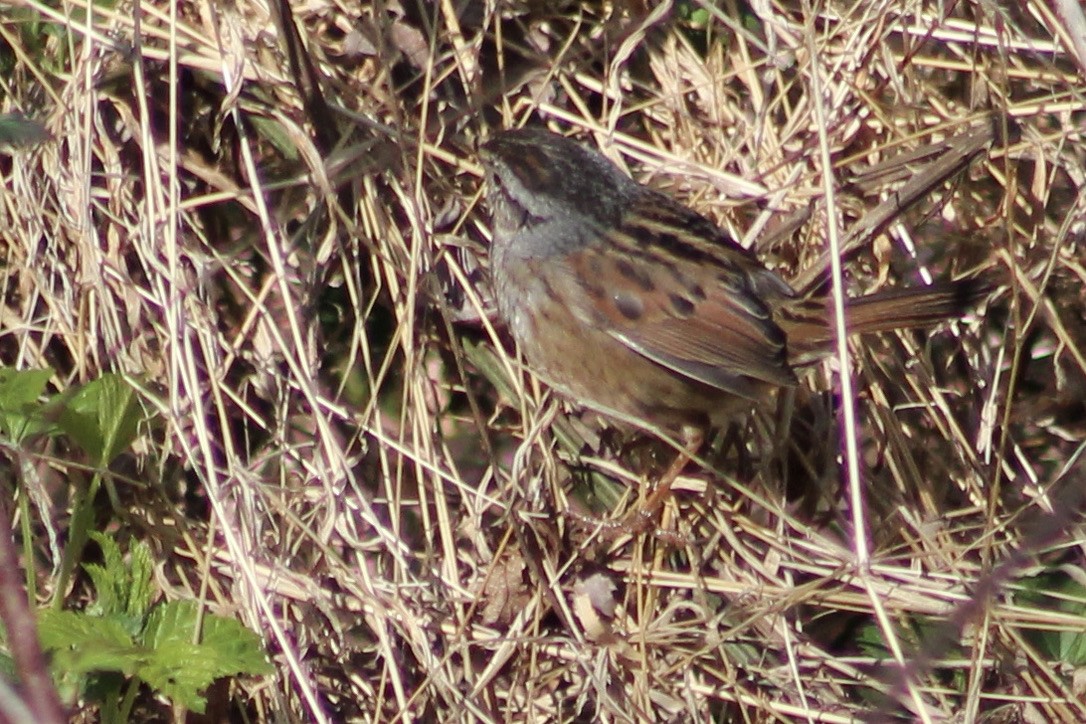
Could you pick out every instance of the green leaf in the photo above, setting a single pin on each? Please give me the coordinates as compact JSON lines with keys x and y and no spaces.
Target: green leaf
{"x":700,"y":18}
{"x":172,"y":621}
{"x":141,"y":589}
{"x":20,"y":405}
{"x":111,"y":598}
{"x":17,"y":131}
{"x":68,"y":629}
{"x":102,"y":418}
{"x":1056,"y":590}
{"x":81,"y":644}
{"x":273,"y":132}
{"x":122,"y":588}
{"x":82,"y":648}
{"x":181,"y":669}
{"x":162,"y":649}
{"x":228,"y":646}
{"x":238,"y":648}
{"x":110,"y":580}
{"x":7,"y":667}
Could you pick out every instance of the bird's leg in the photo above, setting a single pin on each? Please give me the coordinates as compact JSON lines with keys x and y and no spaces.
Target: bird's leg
{"x":642,"y":519}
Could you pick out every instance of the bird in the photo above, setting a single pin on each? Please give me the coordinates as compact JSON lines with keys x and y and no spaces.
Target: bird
{"x":628,"y":302}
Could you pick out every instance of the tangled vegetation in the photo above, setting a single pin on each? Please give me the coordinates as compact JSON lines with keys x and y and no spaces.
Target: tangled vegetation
{"x":266,"y":222}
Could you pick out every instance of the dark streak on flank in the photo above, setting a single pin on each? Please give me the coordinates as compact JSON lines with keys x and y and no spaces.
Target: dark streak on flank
{"x":596,"y":291}
{"x":547,"y":287}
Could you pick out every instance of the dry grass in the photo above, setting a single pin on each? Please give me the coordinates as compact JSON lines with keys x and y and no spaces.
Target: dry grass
{"x":344,"y":454}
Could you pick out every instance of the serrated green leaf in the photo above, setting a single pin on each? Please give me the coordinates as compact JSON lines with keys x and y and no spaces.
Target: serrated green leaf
{"x":163,"y":655}
{"x":181,"y":670}
{"x":103,"y":657}
{"x":111,"y":550}
{"x":110,"y":579}
{"x":66,"y":629}
{"x":102,"y":417}
{"x":122,"y":588}
{"x":81,"y":644}
{"x":225,"y":642}
{"x":239,"y":648}
{"x":141,"y":582}
{"x":81,"y":647}
{"x":172,"y":621}
{"x":108,"y":591}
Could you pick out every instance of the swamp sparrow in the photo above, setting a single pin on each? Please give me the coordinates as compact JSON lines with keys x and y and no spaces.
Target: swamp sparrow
{"x":630,"y":303}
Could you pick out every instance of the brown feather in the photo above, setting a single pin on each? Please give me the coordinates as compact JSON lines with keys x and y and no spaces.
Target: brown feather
{"x":809,"y":322}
